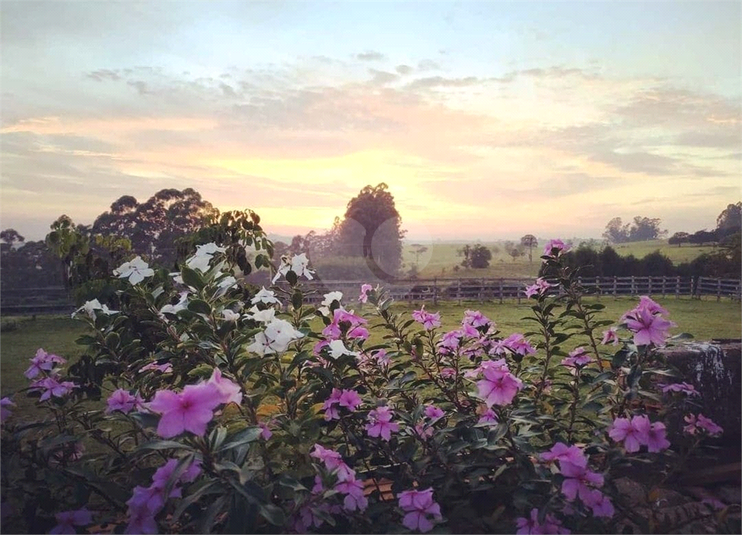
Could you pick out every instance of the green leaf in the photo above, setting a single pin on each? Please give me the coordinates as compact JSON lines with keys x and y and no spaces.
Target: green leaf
{"x":160,"y":445}
{"x":199,"y":306}
{"x":247,"y":435}
{"x":192,"y":278}
{"x":272,"y":514}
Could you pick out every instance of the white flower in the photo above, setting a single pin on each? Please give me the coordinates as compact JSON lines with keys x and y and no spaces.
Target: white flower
{"x":299,"y":264}
{"x":230,"y":315}
{"x":338,"y":349}
{"x":177,"y":307}
{"x":91,"y":306}
{"x":265,"y":296}
{"x":265,"y":316}
{"x":203,"y":255}
{"x":228,"y":282}
{"x":135,"y":270}
{"x":329,"y":298}
{"x":261,"y":345}
{"x":280,"y":334}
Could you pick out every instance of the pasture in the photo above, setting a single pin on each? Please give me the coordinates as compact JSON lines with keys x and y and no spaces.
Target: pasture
{"x":441,"y":258}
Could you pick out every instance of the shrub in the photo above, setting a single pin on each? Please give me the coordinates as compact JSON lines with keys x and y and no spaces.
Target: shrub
{"x":228,"y":412}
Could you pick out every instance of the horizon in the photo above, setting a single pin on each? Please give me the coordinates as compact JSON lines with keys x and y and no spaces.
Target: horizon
{"x":487,"y":120}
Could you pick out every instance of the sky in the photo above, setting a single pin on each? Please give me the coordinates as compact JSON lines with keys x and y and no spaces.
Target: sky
{"x":486,"y":119}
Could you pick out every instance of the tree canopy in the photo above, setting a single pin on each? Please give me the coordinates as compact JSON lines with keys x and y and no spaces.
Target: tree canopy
{"x":641,"y":229}
{"x":154,"y":226}
{"x":371,"y":229}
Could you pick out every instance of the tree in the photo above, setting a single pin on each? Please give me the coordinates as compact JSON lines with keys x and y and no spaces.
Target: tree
{"x":480,"y":257}
{"x":371,"y":229}
{"x":678,"y":238}
{"x":642,"y":229}
{"x":11,"y":237}
{"x":155,"y":225}
{"x":418,"y":250}
{"x":616,"y":231}
{"x":530,"y":241}
{"x":513,"y":249}
{"x":729,"y":220}
{"x":645,"y":228}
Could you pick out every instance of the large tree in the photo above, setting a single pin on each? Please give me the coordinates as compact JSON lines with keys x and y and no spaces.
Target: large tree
{"x":642,"y":229}
{"x":530,"y":241}
{"x":371,"y":229}
{"x":729,"y":221}
{"x":154,"y":225}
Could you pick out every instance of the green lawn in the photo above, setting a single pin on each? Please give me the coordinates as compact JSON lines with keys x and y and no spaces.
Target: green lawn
{"x":705,"y":320}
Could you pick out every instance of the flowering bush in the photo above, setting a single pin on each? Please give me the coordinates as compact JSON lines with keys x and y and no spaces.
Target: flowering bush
{"x":242,"y":412}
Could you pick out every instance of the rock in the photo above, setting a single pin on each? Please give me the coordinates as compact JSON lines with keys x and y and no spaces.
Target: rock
{"x":713,"y":368}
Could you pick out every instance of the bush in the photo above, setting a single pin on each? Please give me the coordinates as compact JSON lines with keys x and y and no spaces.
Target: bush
{"x":246,"y":417}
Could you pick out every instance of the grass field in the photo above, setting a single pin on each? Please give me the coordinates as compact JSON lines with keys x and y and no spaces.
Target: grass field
{"x":705,"y":320}
{"x":441,"y":258}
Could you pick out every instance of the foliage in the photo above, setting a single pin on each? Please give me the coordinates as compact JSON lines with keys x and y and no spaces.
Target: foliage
{"x":730,"y":220}
{"x":371,"y":229}
{"x":242,"y":417}
{"x":642,"y":228}
{"x":530,"y":241}
{"x":153,"y":226}
{"x":475,"y":256}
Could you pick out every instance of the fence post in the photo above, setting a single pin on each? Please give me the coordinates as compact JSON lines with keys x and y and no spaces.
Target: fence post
{"x":481,"y":291}
{"x":664,"y":280}
{"x":500,"y":289}
{"x":677,"y":287}
{"x":649,"y":290}
{"x":633,"y":286}
{"x":435,"y":291}
{"x":615,"y":287}
{"x":718,"y":290}
{"x":458,"y":290}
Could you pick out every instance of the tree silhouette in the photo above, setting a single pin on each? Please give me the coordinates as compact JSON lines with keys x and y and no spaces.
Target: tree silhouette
{"x":530,"y":241}
{"x":371,"y":229}
{"x":155,"y":225}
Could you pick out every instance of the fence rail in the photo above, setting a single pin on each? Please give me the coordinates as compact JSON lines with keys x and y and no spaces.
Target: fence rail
{"x":56,"y":300}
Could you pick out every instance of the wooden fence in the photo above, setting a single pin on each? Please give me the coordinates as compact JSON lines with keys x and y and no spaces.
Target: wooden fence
{"x":55,"y":300}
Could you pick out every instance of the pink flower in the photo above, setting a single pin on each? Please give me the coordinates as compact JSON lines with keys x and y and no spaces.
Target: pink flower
{"x":4,"y":413}
{"x":447,"y":373}
{"x":656,"y":438}
{"x":498,"y":387}
{"x":599,"y":503}
{"x":350,"y":400}
{"x":648,"y":328}
{"x":424,"y":431}
{"x":380,"y":423}
{"x":610,"y":337}
{"x":451,"y":339}
{"x":165,"y":472}
{"x":685,"y":388}
{"x":122,"y":400}
{"x":433,"y":412}
{"x":331,"y":412}
{"x":488,"y":417}
{"x":190,"y":410}
{"x":229,"y":391}
{"x":43,"y":362}
{"x":365,"y":288}
{"x":555,"y":245}
{"x":576,"y":479}
{"x":52,"y":387}
{"x":538,"y":289}
{"x":577,"y":358}
{"x":475,"y":318}
{"x":562,"y":452}
{"x":633,"y":433}
{"x":429,"y":321}
{"x":67,"y":520}
{"x":701,"y":422}
{"x":419,"y":506}
{"x":515,"y":343}
{"x":162,"y":368}
{"x":531,"y":526}
{"x":330,"y":458}
{"x":266,"y":433}
{"x":353,"y":489}
{"x":382,"y":358}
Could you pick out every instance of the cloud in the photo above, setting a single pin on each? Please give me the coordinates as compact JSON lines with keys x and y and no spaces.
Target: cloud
{"x":440,"y":81}
{"x":370,"y":55}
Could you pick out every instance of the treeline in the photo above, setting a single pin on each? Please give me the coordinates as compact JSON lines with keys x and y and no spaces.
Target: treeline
{"x":723,"y":263}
